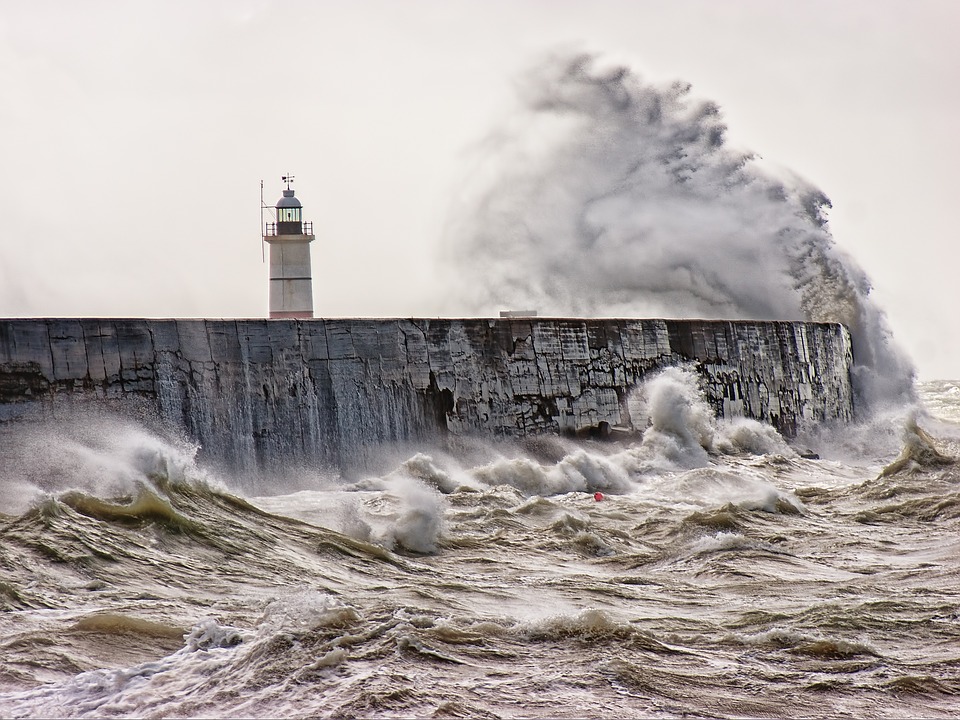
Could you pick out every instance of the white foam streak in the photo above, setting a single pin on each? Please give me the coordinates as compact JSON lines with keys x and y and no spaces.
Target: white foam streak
{"x":580,"y":471}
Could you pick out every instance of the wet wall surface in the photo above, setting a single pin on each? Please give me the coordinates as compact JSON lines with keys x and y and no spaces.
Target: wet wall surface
{"x":329,"y":392}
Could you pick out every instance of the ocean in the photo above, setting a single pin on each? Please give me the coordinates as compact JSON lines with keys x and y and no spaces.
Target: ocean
{"x":707,"y":568}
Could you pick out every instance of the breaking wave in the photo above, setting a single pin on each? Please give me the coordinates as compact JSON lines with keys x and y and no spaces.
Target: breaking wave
{"x":606,"y":194}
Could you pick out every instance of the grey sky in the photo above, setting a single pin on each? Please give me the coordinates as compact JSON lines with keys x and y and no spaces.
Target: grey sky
{"x":134,"y":136}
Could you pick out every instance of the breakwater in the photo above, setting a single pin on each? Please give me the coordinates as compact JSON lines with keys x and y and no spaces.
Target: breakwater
{"x":329,"y":392}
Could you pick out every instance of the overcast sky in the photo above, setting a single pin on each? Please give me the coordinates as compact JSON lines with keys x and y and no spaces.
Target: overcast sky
{"x":134,"y":135}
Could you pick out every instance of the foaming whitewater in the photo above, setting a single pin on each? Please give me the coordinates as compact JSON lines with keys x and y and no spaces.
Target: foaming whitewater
{"x":92,"y":453}
{"x":703,"y":568}
{"x":606,"y":194}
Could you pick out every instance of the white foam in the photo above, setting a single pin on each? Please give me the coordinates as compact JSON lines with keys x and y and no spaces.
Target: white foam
{"x":587,"y":624}
{"x":723,"y":541}
{"x":715,"y":488}
{"x":424,"y":468}
{"x":128,"y":691}
{"x":306,"y":610}
{"x":209,"y":634}
{"x":420,"y":522}
{"x":738,"y":435}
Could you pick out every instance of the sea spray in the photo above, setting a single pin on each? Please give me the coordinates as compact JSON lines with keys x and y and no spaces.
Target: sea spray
{"x":420,"y":522}
{"x":679,"y":433}
{"x":681,"y":424}
{"x":606,"y":194}
{"x":97,"y":453}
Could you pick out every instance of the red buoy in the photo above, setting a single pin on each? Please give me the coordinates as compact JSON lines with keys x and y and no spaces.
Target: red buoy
{"x":598,"y":496}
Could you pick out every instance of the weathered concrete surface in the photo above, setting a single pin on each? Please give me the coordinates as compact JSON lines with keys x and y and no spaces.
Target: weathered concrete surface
{"x":257,"y":393}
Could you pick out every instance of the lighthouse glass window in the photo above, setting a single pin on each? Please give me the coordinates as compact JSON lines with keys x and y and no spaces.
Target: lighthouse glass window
{"x":289,"y":215}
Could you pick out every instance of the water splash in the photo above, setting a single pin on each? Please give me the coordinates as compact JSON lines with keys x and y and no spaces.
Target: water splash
{"x":606,"y":194}
{"x":96,"y":453}
{"x":919,"y":452}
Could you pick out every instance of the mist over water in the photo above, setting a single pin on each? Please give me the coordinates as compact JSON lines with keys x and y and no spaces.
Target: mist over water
{"x":606,"y":194}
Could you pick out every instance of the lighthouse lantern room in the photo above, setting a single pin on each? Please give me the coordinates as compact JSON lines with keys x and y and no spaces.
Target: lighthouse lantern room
{"x":289,"y":238}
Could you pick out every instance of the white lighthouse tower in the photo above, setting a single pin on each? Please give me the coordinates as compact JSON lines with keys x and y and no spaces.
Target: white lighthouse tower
{"x":291,"y":284}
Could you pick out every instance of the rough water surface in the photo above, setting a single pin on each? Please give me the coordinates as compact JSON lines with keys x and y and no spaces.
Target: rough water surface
{"x":720,"y":574}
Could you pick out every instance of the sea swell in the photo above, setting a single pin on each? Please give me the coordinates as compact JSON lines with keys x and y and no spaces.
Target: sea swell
{"x":756,"y":574}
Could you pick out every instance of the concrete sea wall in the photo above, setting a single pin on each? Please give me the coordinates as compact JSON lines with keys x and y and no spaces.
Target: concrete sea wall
{"x":257,"y":394}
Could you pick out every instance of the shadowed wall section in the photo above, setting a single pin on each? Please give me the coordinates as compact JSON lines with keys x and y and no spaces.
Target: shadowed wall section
{"x":256,"y":393}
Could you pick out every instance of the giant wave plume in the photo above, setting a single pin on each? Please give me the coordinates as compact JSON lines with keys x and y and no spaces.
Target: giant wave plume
{"x":606,"y":194}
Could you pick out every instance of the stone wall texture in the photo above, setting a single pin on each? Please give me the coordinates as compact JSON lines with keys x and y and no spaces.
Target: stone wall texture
{"x":328,"y":392}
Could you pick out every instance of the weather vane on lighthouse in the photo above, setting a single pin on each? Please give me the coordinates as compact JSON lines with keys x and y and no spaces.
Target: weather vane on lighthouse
{"x":289,"y":238}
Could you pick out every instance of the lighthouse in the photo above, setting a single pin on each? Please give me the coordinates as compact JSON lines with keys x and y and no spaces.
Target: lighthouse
{"x":289,"y":238}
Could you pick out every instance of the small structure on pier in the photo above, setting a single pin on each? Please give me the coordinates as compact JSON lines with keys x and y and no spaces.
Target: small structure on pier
{"x":289,"y":238}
